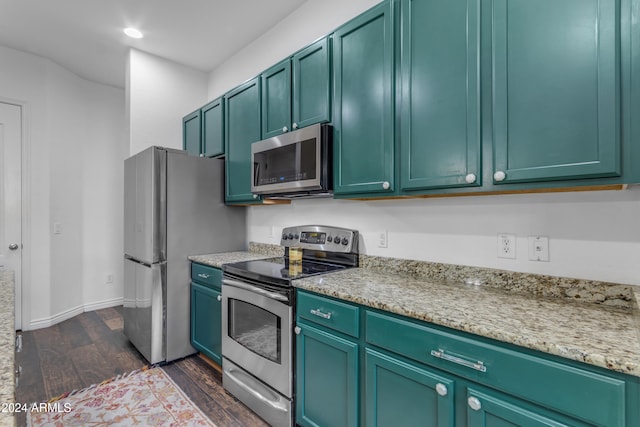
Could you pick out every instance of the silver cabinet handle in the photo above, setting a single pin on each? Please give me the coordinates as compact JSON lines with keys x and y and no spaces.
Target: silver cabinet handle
{"x":474,"y":403}
{"x":204,"y":276}
{"x":440,"y":354}
{"x":219,"y":298}
{"x":13,"y":246}
{"x":386,"y":185}
{"x":255,"y":196}
{"x":257,"y":290}
{"x":285,"y":129}
{"x":470,"y":179}
{"x":295,"y":126}
{"x":499,"y":176}
{"x":297,"y":330}
{"x":319,"y":313}
{"x":441,"y":389}
{"x":201,"y":155}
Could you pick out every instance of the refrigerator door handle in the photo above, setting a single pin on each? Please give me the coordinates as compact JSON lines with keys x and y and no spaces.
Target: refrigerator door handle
{"x":137,"y":261}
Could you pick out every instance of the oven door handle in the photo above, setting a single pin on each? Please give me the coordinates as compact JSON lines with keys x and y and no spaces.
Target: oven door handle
{"x":257,"y":290}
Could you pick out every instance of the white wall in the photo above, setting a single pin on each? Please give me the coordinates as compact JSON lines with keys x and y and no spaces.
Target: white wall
{"x":74,"y":133}
{"x":159,"y":94}
{"x":592,"y":235}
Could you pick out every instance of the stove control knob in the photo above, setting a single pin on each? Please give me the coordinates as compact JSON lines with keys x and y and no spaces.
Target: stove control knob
{"x":345,"y":241}
{"x":297,"y":236}
{"x":284,"y":237}
{"x":290,"y":236}
{"x":329,"y":239}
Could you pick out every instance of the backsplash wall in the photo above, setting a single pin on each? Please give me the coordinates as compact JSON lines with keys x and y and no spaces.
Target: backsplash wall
{"x":592,"y":235}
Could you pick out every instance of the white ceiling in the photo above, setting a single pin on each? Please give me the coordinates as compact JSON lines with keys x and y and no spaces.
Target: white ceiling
{"x":85,"y":36}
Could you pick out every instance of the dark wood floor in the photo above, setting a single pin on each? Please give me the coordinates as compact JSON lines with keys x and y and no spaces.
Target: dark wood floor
{"x":91,"y":348}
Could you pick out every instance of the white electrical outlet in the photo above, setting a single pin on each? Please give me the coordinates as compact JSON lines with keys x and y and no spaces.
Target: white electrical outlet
{"x":507,"y":246}
{"x":57,"y":228}
{"x":539,"y":248}
{"x":108,"y":279}
{"x":382,"y":239}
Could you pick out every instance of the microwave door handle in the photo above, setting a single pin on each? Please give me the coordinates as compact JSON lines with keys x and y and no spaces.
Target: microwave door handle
{"x":257,"y":290}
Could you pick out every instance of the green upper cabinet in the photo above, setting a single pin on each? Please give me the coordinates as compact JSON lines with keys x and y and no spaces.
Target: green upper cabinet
{"x":191,"y":133}
{"x":556,"y":94}
{"x":296,"y":92}
{"x":242,"y":128}
{"x":276,"y":99}
{"x":363,"y":104}
{"x":439,"y":84}
{"x":213,"y":128}
{"x":312,"y":84}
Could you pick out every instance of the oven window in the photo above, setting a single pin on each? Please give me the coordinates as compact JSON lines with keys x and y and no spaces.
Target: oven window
{"x":255,"y":329}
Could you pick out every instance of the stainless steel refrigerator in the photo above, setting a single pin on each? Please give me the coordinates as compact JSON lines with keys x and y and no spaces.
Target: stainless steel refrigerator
{"x":173,"y":207}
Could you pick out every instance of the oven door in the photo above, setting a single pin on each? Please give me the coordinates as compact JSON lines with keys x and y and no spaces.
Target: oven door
{"x":257,"y":333}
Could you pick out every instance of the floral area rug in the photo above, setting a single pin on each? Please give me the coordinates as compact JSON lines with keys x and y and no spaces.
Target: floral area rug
{"x":147,"y":397}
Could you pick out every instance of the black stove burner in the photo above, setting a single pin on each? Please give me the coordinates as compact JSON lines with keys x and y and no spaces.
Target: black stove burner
{"x":279,"y":270}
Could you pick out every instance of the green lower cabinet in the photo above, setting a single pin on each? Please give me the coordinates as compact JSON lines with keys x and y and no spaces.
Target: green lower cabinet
{"x":491,"y":409}
{"x":326,"y":379}
{"x":206,"y":321}
{"x":400,"y":394}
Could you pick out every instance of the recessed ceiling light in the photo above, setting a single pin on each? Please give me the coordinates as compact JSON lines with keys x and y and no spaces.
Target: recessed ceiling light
{"x":133,"y":33}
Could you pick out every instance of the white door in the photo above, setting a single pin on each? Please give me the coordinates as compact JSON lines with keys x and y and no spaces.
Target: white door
{"x":11,"y":198}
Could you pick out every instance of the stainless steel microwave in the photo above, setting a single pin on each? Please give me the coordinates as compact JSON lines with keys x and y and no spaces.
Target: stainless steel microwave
{"x":293,"y":164}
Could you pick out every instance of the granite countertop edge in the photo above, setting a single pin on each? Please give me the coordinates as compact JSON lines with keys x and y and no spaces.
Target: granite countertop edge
{"x":471,"y":308}
{"x":516,"y":319}
{"x":7,"y":343}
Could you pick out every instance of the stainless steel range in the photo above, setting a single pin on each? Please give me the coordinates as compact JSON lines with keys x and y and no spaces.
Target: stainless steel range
{"x":258,"y":313}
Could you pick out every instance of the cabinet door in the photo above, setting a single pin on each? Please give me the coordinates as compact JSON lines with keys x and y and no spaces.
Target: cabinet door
{"x":326,"y":378}
{"x":213,"y":128}
{"x":363,"y":104}
{"x":276,"y":99}
{"x":242,"y":128}
{"x":440,"y":72}
{"x":312,"y":85}
{"x":556,"y":105}
{"x":191,"y":133}
{"x":492,"y":409}
{"x":206,"y":321}
{"x":399,"y":394}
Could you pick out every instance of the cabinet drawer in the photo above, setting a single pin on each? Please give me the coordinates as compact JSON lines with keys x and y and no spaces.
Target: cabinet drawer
{"x":580,"y":393}
{"x":332,"y":314}
{"x":206,"y":275}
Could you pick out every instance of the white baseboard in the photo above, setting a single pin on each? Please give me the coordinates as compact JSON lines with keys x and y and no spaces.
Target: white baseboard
{"x":68,"y":314}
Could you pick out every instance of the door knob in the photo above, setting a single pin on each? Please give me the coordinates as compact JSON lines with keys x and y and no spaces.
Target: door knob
{"x":13,"y":246}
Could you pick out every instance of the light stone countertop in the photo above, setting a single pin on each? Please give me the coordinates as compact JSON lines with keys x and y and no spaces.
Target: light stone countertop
{"x":7,"y":345}
{"x":591,"y":322}
{"x":596,"y":334}
{"x":256,"y":251}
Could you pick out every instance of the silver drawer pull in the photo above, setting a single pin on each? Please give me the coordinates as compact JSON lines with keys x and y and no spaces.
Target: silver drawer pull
{"x":474,"y":403}
{"x":321,"y":314}
{"x":204,"y":276}
{"x":440,"y":354}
